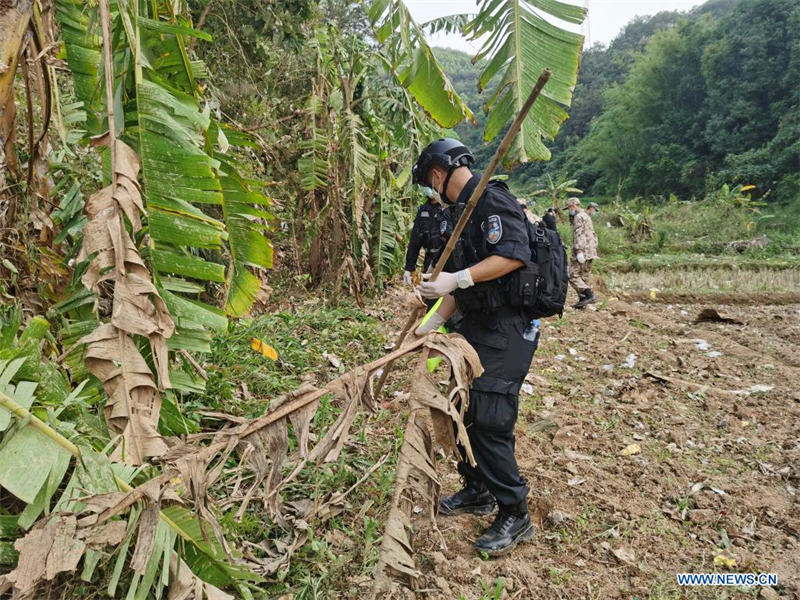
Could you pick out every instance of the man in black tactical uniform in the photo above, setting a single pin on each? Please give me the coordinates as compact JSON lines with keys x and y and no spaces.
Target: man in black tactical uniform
{"x":426,"y":233}
{"x":493,"y":245}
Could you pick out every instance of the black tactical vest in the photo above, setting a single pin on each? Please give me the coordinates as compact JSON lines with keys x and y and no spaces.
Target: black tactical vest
{"x":486,"y":296}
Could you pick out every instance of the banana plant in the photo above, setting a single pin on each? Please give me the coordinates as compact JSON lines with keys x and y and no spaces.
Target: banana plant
{"x":520,"y":40}
{"x":412,"y":61}
{"x":52,"y":461}
{"x":557,"y":189}
{"x":206,"y":223}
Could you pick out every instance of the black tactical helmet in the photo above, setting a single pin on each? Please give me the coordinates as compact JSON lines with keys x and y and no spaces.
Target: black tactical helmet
{"x":444,"y":152}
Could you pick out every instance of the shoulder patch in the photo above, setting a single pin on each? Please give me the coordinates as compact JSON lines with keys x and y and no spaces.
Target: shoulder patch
{"x":443,"y":227}
{"x":424,"y":213}
{"x":494,"y":229}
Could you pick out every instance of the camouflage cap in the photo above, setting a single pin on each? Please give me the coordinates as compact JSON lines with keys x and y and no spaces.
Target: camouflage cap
{"x":572,"y":202}
{"x":594,"y":205}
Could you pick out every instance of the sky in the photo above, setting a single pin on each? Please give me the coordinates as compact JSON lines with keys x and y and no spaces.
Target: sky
{"x":606,"y":17}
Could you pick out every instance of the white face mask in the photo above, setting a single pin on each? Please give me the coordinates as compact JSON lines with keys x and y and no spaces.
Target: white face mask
{"x":431,"y":193}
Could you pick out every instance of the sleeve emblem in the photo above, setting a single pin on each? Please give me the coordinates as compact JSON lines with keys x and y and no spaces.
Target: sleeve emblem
{"x":494,"y":229}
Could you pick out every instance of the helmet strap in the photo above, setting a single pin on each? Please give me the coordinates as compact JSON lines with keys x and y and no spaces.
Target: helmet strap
{"x":446,"y":181}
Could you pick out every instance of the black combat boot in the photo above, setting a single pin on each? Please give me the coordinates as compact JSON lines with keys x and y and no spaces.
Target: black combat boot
{"x":587,"y":297}
{"x":474,"y":498}
{"x":512,"y":526}
{"x":581,"y":296}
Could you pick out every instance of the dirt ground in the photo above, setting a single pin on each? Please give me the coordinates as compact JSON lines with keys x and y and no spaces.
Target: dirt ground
{"x":653,"y":445}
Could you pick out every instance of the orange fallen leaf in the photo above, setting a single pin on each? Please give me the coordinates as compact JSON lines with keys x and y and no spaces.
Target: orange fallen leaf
{"x":264,"y":349}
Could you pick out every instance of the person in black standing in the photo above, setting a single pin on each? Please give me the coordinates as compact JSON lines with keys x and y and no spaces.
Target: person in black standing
{"x":550,"y":219}
{"x":491,"y":248}
{"x":425,"y":234}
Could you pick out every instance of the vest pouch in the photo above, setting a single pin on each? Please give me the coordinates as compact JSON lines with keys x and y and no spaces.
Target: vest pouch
{"x":523,"y":286}
{"x":484,"y":297}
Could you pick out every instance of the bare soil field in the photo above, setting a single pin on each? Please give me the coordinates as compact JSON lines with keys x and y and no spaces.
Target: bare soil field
{"x":653,"y":445}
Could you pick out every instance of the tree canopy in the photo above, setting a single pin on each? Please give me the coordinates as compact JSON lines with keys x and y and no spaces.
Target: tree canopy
{"x":681,"y":103}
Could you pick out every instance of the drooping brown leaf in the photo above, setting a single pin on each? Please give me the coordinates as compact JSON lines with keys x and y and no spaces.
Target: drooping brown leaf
{"x":133,"y":404}
{"x":415,"y":482}
{"x":110,"y":533}
{"x":449,"y":410}
{"x":50,"y":548}
{"x":301,"y":422}
{"x":145,"y":537}
{"x":137,"y":309}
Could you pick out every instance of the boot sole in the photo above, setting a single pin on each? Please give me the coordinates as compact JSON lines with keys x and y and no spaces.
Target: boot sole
{"x":522,"y":537}
{"x":478,"y":510}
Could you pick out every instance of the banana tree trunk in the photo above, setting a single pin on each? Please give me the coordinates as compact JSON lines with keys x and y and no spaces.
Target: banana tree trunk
{"x":14,"y":18}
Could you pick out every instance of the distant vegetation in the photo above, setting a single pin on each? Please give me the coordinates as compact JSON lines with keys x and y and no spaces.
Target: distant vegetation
{"x":678,"y":103}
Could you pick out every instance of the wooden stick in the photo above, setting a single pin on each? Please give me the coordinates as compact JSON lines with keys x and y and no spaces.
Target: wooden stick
{"x":489,"y":172}
{"x":473,"y":201}
{"x":412,"y":320}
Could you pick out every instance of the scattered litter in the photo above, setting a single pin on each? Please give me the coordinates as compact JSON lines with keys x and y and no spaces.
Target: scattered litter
{"x":572,"y":455}
{"x":417,"y":510}
{"x":700,"y":344}
{"x":703,"y":485}
{"x":761,"y":388}
{"x":653,"y":292}
{"x":631,"y":450}
{"x":527,"y":388}
{"x":714,"y":354}
{"x":685,"y":313}
{"x":560,"y":356}
{"x":625,"y":555}
{"x":608,"y":367}
{"x":572,"y":352}
{"x":630,"y":361}
{"x":573,"y":481}
{"x":333,"y":359}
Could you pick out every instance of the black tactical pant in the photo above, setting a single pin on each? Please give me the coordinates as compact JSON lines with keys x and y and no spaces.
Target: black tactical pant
{"x":494,"y":402}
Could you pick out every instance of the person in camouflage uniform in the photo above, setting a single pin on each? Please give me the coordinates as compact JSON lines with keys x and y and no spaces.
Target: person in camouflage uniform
{"x":584,"y":250}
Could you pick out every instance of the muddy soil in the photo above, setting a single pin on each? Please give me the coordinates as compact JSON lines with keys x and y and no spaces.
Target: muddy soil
{"x":653,"y":445}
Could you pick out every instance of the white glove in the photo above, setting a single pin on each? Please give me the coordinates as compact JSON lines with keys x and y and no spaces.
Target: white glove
{"x":444,"y":284}
{"x":581,"y":258}
{"x":407,"y":278}
{"x":432,"y":324}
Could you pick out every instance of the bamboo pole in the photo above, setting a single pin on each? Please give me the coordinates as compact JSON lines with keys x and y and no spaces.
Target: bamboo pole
{"x":489,"y":172}
{"x":471,"y":204}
